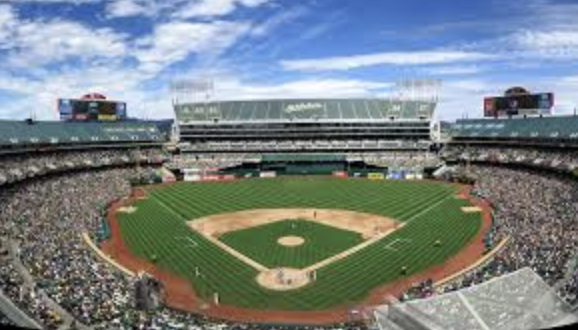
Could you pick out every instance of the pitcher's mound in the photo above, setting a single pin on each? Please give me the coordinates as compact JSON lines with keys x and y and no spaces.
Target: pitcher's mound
{"x":284,"y":279}
{"x":291,"y":241}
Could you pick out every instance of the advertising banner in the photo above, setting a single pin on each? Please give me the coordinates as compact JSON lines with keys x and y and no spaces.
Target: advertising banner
{"x":191,"y":177}
{"x":375,"y":176}
{"x":268,"y":174}
{"x":340,"y":174}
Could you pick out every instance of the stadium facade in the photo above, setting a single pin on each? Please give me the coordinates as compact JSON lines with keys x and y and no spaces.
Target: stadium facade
{"x":305,"y":125}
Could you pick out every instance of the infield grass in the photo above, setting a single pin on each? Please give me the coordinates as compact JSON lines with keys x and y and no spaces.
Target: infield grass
{"x":321,"y":242}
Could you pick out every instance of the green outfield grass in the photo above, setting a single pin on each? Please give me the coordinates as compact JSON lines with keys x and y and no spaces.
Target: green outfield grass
{"x":321,"y":242}
{"x":429,"y":209}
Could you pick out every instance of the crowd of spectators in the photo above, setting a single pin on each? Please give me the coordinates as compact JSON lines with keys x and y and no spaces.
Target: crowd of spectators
{"x":24,"y":297}
{"x":165,"y":318}
{"x":21,"y":166}
{"x":210,"y":161}
{"x":405,"y":159}
{"x":563,"y":160}
{"x":538,"y":211}
{"x":4,"y":320}
{"x":45,"y":217}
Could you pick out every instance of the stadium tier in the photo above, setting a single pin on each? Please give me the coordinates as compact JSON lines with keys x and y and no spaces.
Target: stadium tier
{"x":336,"y":110}
{"x":29,"y":149}
{"x":305,"y":125}
{"x":539,"y":130}
{"x":18,"y":134}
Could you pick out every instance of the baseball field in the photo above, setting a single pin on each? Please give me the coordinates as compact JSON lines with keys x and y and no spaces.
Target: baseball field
{"x":192,"y":231}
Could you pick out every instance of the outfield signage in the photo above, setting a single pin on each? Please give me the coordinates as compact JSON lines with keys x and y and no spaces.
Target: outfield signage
{"x":189,"y":177}
{"x":375,"y":176}
{"x":340,"y":174}
{"x":268,"y":174}
{"x":218,"y":177}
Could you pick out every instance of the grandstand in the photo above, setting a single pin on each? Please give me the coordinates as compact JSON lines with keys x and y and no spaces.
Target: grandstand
{"x":34,"y":134}
{"x":305,"y":125}
{"x":46,"y":156}
{"x":49,"y":141}
{"x":548,"y":131}
{"x":376,"y":130}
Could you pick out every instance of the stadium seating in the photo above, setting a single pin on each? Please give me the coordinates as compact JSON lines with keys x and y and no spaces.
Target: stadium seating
{"x":14,"y":133}
{"x":306,"y":109}
{"x":536,"y":128}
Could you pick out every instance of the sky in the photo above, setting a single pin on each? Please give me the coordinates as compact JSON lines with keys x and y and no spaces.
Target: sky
{"x":132,"y":50}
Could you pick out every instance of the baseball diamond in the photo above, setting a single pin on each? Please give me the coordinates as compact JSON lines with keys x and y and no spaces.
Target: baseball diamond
{"x":429,"y":211}
{"x":319,"y":242}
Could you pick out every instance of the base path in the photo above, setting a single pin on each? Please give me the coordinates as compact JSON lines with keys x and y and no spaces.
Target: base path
{"x":181,"y":295}
{"x":368,"y":225}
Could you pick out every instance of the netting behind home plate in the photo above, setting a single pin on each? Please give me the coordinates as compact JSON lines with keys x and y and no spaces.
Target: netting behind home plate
{"x":517,"y":301}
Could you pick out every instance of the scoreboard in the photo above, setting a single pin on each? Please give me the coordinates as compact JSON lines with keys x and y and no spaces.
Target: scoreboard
{"x":91,"y":110}
{"x":523,"y":104}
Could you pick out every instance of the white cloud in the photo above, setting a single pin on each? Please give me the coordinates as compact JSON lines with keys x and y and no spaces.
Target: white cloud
{"x":126,"y":8}
{"x":232,"y":88}
{"x":390,"y":58}
{"x":52,"y":41}
{"x":76,"y":2}
{"x":547,"y":39}
{"x":274,"y":21}
{"x":215,"y":8}
{"x":175,"y":41}
{"x":36,"y":42}
{"x":454,"y":70}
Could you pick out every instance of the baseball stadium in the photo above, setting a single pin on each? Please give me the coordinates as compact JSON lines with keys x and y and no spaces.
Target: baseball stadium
{"x":289,"y":214}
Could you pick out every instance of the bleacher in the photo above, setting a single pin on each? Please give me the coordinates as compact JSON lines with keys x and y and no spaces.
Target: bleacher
{"x":563,"y":129}
{"x":16,"y":134}
{"x":305,"y":109}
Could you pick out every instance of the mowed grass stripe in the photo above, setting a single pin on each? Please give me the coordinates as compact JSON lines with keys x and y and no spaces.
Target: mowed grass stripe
{"x":153,"y":227}
{"x":321,"y":242}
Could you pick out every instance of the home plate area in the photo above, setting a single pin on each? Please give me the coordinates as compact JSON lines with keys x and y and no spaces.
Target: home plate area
{"x":284,"y":279}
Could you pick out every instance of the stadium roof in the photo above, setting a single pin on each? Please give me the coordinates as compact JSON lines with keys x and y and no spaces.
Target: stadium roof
{"x":304,"y":110}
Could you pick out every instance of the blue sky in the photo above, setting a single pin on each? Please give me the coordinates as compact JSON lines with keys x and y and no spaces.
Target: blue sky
{"x":132,"y":49}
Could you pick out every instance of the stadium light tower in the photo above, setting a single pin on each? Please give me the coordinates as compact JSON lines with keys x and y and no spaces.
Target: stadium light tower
{"x":200,"y":90}
{"x":419,"y":89}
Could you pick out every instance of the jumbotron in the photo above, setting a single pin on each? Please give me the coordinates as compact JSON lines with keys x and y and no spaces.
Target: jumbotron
{"x":361,"y":213}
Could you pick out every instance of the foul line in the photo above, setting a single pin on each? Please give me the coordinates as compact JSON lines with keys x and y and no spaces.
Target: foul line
{"x":218,"y":243}
{"x":429,"y":208}
{"x":188,"y":239}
